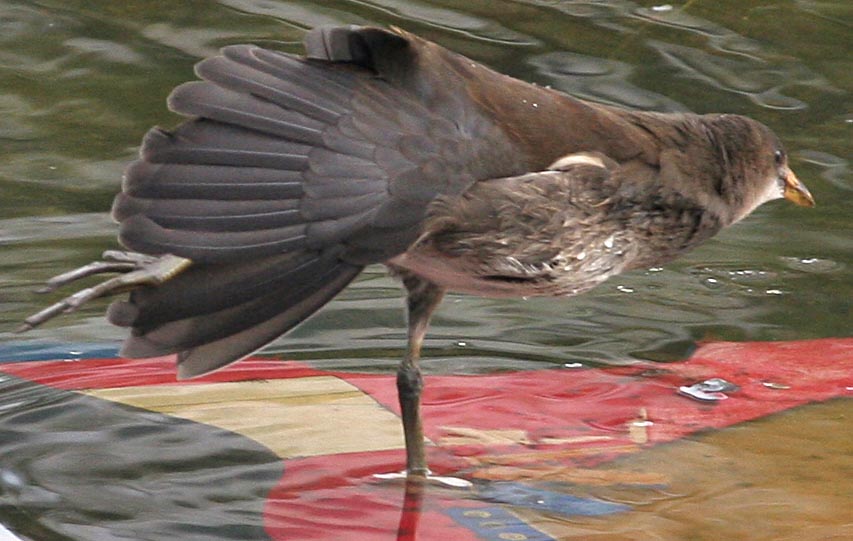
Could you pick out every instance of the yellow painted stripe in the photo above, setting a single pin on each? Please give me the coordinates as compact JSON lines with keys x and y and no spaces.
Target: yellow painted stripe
{"x":296,"y":417}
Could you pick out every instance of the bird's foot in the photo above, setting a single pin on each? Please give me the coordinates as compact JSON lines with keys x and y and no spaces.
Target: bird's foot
{"x":428,"y":477}
{"x":134,"y":270}
{"x":113,"y":261}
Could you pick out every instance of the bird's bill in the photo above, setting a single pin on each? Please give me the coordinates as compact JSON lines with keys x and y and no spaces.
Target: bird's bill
{"x":796,"y":192}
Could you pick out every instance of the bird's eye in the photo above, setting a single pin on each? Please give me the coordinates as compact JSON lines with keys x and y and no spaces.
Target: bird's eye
{"x":779,"y":156}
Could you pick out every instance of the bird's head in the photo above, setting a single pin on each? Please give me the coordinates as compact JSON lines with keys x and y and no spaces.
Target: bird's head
{"x":755,"y":165}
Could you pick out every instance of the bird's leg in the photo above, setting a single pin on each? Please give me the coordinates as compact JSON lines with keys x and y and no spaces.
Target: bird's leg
{"x":423,"y":297}
{"x":135,"y":270}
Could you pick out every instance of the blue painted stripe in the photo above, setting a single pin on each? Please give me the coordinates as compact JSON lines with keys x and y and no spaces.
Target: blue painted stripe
{"x":37,"y":350}
{"x":532,"y":497}
{"x":496,"y":524}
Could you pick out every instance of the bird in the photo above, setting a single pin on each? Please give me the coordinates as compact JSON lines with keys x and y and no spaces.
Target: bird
{"x":292,"y":173}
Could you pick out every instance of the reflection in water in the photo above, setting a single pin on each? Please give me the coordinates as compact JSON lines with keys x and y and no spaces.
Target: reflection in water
{"x":734,"y":75}
{"x":77,"y":467}
{"x":410,"y":510}
{"x":604,"y":81}
{"x":836,"y":169}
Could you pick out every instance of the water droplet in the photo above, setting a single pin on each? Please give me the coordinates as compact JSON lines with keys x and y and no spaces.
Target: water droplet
{"x":572,"y":365}
{"x":778,"y":386}
{"x":711,"y":283}
{"x":662,"y":8}
{"x":774,"y":291}
{"x":461,"y":344}
{"x":625,"y":289}
{"x":812,"y":264}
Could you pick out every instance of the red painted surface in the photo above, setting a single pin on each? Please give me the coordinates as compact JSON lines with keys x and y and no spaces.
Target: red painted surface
{"x":558,"y":403}
{"x":314,"y":500}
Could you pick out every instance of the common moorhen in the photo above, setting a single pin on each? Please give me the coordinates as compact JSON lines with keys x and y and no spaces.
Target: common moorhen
{"x":294,"y":173}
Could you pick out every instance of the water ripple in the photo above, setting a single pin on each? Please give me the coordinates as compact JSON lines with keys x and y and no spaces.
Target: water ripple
{"x":763,"y":86}
{"x":835,"y":169}
{"x":601,"y":80}
{"x":724,"y":59}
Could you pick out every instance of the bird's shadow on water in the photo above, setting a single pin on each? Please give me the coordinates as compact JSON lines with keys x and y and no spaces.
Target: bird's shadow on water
{"x":75,"y":467}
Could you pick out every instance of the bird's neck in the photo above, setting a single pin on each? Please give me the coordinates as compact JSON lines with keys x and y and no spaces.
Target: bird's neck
{"x":696,"y":160}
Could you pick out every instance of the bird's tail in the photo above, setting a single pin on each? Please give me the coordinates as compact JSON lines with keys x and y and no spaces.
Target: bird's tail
{"x":213,"y":315}
{"x":256,"y":191}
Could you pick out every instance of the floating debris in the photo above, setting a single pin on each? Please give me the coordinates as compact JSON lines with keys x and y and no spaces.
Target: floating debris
{"x":710,"y":390}
{"x":778,"y":386}
{"x":638,"y":429}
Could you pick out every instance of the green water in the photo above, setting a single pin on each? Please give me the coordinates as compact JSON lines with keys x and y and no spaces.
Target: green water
{"x":81,"y":82}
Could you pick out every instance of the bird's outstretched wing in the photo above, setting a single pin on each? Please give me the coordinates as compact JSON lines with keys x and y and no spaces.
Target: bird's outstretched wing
{"x":291,"y":175}
{"x":286,"y":153}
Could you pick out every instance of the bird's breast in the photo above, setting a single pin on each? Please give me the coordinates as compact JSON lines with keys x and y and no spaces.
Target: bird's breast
{"x":505,"y":270}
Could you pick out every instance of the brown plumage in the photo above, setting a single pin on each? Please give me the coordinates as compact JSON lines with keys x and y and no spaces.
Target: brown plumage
{"x":293,"y":173}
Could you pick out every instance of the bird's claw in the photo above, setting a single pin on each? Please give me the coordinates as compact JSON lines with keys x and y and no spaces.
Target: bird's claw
{"x":112,"y":261}
{"x":134,"y":270}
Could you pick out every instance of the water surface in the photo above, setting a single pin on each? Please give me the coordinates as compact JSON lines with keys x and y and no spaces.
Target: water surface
{"x":81,"y":81}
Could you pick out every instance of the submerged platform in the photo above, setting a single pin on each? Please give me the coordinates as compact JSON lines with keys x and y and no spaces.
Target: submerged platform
{"x":282,"y":450}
